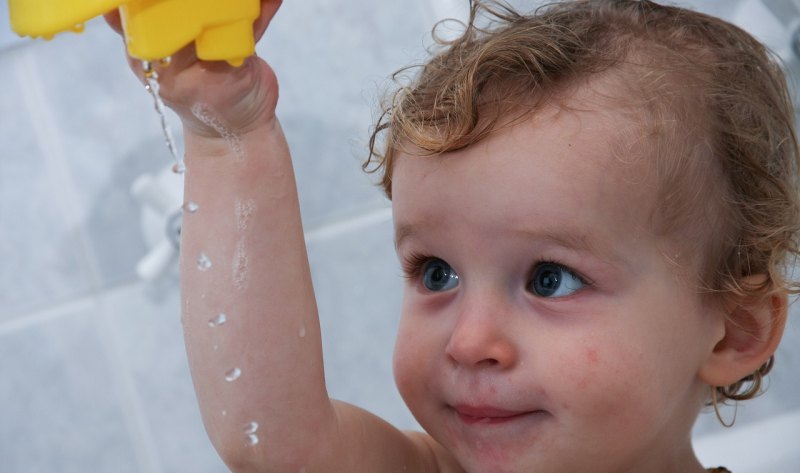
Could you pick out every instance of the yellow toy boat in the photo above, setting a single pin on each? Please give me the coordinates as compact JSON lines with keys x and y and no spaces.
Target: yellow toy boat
{"x":154,"y":29}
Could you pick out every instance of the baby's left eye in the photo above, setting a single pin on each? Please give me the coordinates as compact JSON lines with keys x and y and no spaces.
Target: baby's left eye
{"x":438,"y":276}
{"x":554,"y":280}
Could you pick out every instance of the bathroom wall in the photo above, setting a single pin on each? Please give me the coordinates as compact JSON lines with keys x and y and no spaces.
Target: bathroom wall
{"x":93,"y":375}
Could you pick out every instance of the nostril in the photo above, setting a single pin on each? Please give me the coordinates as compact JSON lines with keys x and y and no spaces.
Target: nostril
{"x":479,"y":339}
{"x":497,"y":352}
{"x":476,"y":353}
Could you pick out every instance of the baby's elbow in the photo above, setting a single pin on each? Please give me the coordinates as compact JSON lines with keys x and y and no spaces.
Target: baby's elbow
{"x":244,"y":458}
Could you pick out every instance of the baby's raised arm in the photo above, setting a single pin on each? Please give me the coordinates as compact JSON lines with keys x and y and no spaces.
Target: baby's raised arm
{"x":249,"y":313}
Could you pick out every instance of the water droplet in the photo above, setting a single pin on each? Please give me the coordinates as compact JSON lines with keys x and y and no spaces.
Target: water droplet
{"x":224,"y":413}
{"x":149,"y":72}
{"x":165,"y":62}
{"x":215,"y":347}
{"x":251,"y":427}
{"x":302,"y":333}
{"x":203,"y":263}
{"x":250,"y":431}
{"x":153,"y":87}
{"x":233,"y":375}
{"x":78,"y":28}
{"x":218,"y":320}
{"x":190,"y":207}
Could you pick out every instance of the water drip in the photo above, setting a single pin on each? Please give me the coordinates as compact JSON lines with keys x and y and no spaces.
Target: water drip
{"x":190,"y":207}
{"x":251,"y":428}
{"x":250,"y":432}
{"x":203,"y":263}
{"x":233,"y":375}
{"x":218,"y":320}
{"x":152,"y":86}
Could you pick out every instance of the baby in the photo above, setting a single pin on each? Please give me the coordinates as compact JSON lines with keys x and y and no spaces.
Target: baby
{"x":596,"y":209}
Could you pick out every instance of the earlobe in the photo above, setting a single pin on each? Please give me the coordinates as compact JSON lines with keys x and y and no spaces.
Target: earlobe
{"x":753,"y":328}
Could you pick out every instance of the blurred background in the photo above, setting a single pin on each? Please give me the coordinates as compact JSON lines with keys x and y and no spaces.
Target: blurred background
{"x":93,"y":374}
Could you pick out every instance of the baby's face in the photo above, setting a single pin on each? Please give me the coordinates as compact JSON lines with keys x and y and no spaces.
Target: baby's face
{"x":543,"y":328}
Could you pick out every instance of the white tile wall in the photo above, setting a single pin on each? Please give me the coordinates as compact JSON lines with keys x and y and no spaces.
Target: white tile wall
{"x":61,"y":406}
{"x":94,"y":376}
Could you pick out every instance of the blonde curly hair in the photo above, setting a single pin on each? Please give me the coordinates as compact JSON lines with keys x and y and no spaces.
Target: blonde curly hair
{"x":717,"y":116}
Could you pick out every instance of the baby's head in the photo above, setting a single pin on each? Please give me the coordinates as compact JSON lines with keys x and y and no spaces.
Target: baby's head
{"x":708,"y":126}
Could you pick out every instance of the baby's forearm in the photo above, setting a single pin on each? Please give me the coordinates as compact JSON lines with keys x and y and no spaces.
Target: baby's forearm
{"x":249,"y":313}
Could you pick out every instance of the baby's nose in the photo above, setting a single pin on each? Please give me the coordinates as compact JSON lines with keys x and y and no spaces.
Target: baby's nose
{"x":482,"y":337}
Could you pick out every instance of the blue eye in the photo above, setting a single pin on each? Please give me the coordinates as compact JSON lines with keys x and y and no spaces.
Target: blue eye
{"x":438,"y":276}
{"x":554,"y":280}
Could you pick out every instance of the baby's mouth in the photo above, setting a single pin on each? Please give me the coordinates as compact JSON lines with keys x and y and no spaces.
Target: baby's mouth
{"x":488,"y":414}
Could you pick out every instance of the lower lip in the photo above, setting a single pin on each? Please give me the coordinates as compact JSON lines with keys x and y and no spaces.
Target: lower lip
{"x":489,"y":420}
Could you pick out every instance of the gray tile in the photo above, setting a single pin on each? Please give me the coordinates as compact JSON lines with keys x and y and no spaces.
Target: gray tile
{"x":146,"y":321}
{"x":358,"y":285}
{"x":59,"y":408}
{"x":110,"y":134}
{"x":40,"y":246}
{"x":332,"y":59}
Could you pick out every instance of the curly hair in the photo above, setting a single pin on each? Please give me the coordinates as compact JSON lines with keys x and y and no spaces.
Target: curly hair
{"x":712,"y":102}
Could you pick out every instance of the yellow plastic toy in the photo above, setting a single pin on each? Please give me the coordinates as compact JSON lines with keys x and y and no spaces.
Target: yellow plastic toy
{"x":154,"y":29}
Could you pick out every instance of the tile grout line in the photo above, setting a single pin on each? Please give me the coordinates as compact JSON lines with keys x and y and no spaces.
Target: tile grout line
{"x":315,"y":235}
{"x":40,"y":315}
{"x":47,"y":136}
{"x":45,"y":315}
{"x":347,"y":225}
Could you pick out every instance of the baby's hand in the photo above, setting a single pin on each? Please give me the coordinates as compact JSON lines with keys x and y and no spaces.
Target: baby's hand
{"x":236,"y":98}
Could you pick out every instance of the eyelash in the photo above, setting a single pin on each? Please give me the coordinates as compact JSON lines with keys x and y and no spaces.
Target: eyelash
{"x":413,"y":263}
{"x":563,"y":267}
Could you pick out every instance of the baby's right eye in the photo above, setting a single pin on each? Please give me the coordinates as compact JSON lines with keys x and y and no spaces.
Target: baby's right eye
{"x":438,"y":276}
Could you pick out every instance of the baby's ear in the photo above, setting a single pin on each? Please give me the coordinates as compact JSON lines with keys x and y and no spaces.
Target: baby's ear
{"x":753,"y":328}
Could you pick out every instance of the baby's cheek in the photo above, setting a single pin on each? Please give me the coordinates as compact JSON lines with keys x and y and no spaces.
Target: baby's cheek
{"x":603,"y":379}
{"x":588,"y":375}
{"x":402,"y":366}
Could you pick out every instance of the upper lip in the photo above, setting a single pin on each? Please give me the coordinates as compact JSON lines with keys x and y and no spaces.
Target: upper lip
{"x":486,"y":412}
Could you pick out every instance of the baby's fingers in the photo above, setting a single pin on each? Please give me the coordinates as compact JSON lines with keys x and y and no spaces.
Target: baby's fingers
{"x":268,"y":10}
{"x":114,"y":21}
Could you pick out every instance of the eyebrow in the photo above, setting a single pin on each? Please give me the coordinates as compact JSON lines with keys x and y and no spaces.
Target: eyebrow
{"x":575,"y":240}
{"x":403,"y":231}
{"x":570,"y":238}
